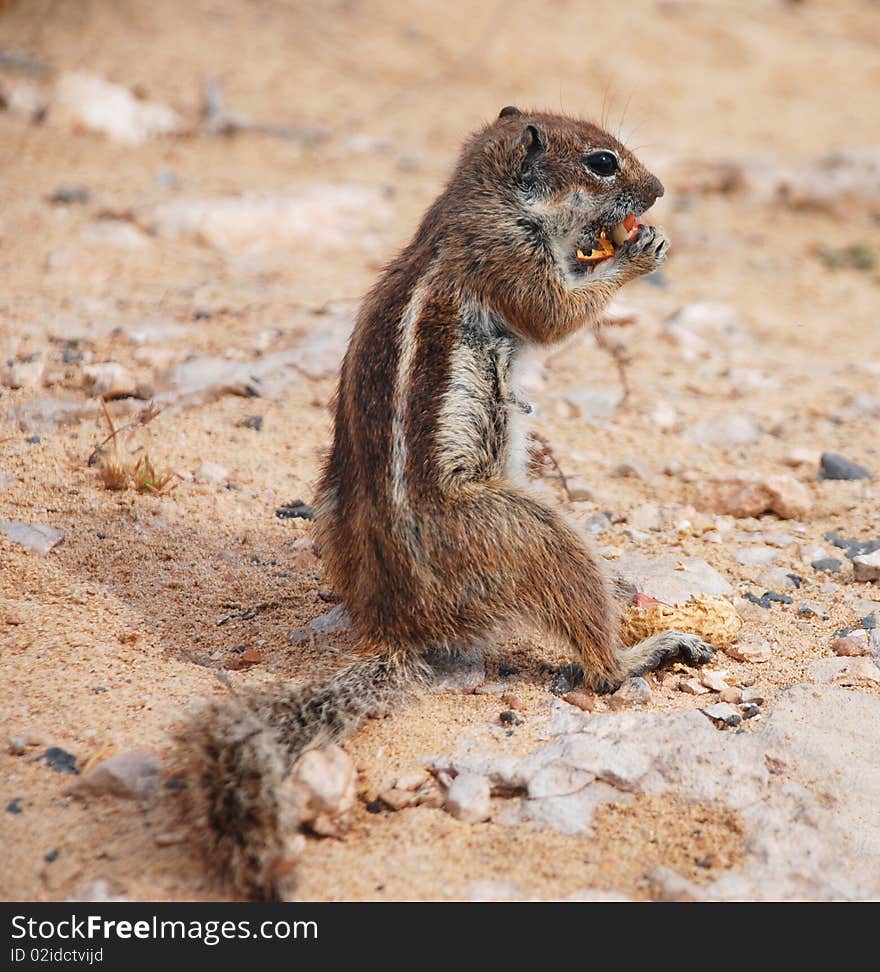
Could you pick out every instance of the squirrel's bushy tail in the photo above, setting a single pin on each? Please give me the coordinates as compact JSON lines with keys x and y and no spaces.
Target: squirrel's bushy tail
{"x":239,"y":751}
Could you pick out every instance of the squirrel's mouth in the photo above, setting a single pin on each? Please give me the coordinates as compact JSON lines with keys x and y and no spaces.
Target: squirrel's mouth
{"x":605,"y":245}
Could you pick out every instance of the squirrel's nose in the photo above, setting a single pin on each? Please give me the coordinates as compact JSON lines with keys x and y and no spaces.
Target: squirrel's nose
{"x":653,"y":190}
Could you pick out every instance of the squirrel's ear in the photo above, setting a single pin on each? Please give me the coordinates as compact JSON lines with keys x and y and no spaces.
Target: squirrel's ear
{"x":509,"y":110}
{"x":532,"y":144}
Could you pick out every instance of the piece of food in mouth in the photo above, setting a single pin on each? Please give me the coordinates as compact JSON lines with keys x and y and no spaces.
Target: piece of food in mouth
{"x":626,"y":229}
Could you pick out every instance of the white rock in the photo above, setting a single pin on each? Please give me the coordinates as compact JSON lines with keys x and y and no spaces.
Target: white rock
{"x":669,"y":580}
{"x":723,"y":713}
{"x":755,"y":556}
{"x":735,"y":428}
{"x":709,"y":319}
{"x":593,"y":402}
{"x":469,"y":798}
{"x":35,"y":537}
{"x":134,"y":774}
{"x":692,"y":686}
{"x":25,"y":99}
{"x":669,"y":885}
{"x":109,"y":380}
{"x":803,"y":457}
{"x":776,"y":579}
{"x":866,"y":567}
{"x":320,"y":791}
{"x":799,"y":845}
{"x":323,"y":215}
{"x":664,"y":416}
{"x":755,"y":652}
{"x":648,"y":516}
{"x":95,"y":104}
{"x":23,"y":374}
{"x":114,"y":232}
{"x":714,"y":680}
{"x":211,"y":472}
{"x":412,"y":780}
{"x":845,"y":670}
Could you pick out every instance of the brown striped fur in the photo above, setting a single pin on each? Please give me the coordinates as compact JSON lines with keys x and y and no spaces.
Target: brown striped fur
{"x":425,"y":524}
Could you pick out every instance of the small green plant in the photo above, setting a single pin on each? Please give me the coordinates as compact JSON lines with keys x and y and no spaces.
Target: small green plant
{"x":117,"y":472}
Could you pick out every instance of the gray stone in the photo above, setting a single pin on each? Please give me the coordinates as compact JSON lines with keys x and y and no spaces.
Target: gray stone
{"x":133,"y":774}
{"x":334,"y":621}
{"x":35,"y":537}
{"x":658,"y":577}
{"x":833,"y":466}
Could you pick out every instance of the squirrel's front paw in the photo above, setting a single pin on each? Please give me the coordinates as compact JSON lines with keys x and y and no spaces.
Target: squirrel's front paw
{"x":648,"y":250}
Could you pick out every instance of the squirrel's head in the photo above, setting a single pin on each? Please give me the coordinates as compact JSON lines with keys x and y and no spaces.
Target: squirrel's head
{"x":570,"y":177}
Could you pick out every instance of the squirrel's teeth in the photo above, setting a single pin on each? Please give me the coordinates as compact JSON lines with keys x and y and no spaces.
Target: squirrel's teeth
{"x":626,"y":229}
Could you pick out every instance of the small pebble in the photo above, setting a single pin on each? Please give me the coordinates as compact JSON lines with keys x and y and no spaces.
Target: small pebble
{"x":60,"y":760}
{"x":749,"y":710}
{"x":510,"y":718}
{"x":469,"y":798}
{"x":830,"y":565}
{"x":834,"y":466}
{"x":133,"y":774}
{"x":746,"y":652}
{"x":810,"y":609}
{"x":722,"y":714}
{"x":714,"y":680}
{"x":14,"y":806}
{"x":866,"y":567}
{"x":768,"y":598}
{"x":581,"y":699}
{"x":693,"y":686}
{"x":852,"y":644}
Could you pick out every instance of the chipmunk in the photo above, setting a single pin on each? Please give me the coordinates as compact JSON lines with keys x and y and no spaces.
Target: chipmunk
{"x":425,"y":522}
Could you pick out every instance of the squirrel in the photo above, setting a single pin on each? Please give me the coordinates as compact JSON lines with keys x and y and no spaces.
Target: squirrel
{"x":424,"y":520}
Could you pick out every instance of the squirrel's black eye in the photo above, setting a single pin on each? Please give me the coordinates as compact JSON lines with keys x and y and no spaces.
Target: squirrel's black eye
{"x":602,"y":163}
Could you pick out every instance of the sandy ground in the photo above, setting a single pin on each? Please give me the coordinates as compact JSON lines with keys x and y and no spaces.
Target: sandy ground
{"x":107,"y":639}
